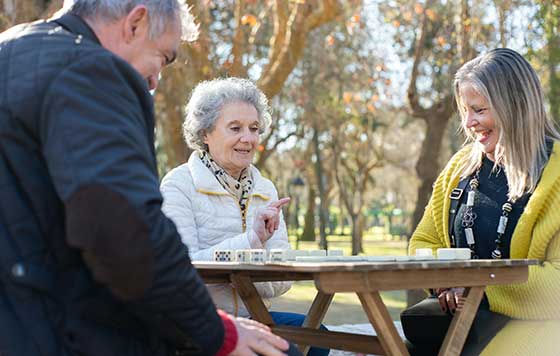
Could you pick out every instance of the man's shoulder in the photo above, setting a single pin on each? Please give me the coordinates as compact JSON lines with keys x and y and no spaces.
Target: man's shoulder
{"x":44,"y":48}
{"x":50,"y":45}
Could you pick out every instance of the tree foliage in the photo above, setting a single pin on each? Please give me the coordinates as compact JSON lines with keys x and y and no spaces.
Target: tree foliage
{"x":263,"y":40}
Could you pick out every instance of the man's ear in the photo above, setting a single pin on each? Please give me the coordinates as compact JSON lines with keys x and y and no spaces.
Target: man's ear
{"x":136,"y":23}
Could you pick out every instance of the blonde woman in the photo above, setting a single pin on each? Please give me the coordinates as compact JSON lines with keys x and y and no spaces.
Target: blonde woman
{"x":512,"y":164}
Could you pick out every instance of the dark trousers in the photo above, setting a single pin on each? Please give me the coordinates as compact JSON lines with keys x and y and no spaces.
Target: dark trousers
{"x":294,"y":319}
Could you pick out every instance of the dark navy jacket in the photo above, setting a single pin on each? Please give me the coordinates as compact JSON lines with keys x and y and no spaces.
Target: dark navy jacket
{"x":89,"y":265}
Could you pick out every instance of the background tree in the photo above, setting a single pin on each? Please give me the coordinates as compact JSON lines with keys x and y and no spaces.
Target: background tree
{"x":547,"y":18}
{"x":236,"y":40}
{"x":17,"y":11}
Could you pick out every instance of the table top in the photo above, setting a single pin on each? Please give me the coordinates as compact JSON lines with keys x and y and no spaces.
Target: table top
{"x":314,"y":267}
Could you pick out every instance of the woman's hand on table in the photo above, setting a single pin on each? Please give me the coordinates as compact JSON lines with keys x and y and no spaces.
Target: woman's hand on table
{"x":450,"y":299}
{"x":267,"y":219}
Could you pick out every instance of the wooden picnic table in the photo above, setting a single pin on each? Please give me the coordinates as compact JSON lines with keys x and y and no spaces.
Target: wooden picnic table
{"x":367,"y":279}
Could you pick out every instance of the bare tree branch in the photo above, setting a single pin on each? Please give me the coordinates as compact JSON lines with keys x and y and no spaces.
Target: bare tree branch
{"x":280,"y":29}
{"x":237,"y":68}
{"x":413,"y":98}
{"x":301,"y":21}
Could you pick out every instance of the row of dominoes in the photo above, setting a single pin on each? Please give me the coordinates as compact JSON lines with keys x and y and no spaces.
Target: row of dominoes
{"x":445,"y":253}
{"x":273,"y":255}
{"x":361,"y":258}
{"x":280,"y":255}
{"x":421,"y":255}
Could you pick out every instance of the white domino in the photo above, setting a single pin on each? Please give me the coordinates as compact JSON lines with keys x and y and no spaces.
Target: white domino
{"x":224,"y":256}
{"x":421,"y":258}
{"x":424,"y":252}
{"x":335,"y":253}
{"x":453,"y":254}
{"x":277,"y":255}
{"x":243,"y":256}
{"x":381,"y":258}
{"x":292,"y":254}
{"x":317,"y":253}
{"x":257,"y":255}
{"x":352,"y":258}
{"x":402,"y":258}
{"x":317,"y":258}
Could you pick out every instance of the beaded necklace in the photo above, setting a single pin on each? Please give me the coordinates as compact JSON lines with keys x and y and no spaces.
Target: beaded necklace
{"x":469,"y":217}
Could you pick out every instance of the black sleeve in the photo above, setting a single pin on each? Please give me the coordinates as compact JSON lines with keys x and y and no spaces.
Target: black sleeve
{"x":96,"y":132}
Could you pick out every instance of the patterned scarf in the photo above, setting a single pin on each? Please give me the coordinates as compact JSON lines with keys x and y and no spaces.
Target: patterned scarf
{"x":239,"y":188}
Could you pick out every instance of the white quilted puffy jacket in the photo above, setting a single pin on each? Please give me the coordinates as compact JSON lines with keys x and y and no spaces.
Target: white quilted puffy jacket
{"x":208,"y":218}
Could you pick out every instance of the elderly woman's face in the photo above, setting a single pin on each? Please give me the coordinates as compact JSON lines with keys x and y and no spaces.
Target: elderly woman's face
{"x":235,"y":137}
{"x":478,"y":119}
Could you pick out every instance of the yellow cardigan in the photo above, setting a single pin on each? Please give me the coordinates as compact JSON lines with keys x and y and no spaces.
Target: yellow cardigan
{"x":537,"y":235}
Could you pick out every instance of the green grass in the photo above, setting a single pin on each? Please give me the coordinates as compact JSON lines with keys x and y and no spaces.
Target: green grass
{"x":346,"y":308}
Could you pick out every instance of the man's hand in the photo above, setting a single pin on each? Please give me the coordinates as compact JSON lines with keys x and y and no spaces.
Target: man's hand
{"x":267,"y":219}
{"x":451,"y":299}
{"x":256,"y":338}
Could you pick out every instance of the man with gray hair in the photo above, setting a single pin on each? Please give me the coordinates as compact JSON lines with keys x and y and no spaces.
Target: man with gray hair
{"x":89,"y":265}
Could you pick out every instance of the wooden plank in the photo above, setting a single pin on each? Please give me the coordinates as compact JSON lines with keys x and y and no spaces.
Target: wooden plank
{"x":316,"y":314}
{"x":211,"y":277}
{"x":379,"y":317}
{"x":335,"y":282}
{"x":318,"y":310}
{"x":330,"y":339}
{"x":251,"y":298}
{"x":461,"y":323}
{"x":307,"y":267}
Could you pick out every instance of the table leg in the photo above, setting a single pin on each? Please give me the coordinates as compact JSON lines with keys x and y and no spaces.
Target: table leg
{"x":461,"y":323}
{"x":316,"y":314}
{"x":251,"y":298}
{"x":379,"y":317}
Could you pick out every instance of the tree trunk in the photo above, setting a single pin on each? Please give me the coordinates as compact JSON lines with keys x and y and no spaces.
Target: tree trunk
{"x":427,"y":166}
{"x":13,"y":12}
{"x":309,"y":227}
{"x":342,"y":216}
{"x":320,"y":176}
{"x":360,"y":232}
{"x":356,"y":234}
{"x":552,"y":34}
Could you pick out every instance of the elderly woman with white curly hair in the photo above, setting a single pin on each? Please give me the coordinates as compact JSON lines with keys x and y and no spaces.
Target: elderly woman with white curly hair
{"x":218,"y":200}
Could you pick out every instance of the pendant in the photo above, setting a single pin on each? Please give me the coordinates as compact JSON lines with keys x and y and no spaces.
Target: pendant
{"x":496,"y":254}
{"x":469,"y":236}
{"x":502,"y":225}
{"x":470,"y":198}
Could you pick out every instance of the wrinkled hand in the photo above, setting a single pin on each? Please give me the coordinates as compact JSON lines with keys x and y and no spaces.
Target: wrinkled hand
{"x":256,"y":338}
{"x":451,"y":299}
{"x":267,"y":219}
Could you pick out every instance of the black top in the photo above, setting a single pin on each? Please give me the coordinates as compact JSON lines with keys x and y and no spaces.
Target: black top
{"x":89,"y":264}
{"x":492,"y":194}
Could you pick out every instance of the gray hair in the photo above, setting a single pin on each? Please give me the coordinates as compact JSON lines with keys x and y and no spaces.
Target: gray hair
{"x":516,"y":100}
{"x":161,"y":13}
{"x":208,"y":99}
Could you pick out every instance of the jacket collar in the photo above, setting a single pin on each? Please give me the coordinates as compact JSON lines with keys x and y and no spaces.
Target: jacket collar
{"x":205,"y":182}
{"x":77,"y":25}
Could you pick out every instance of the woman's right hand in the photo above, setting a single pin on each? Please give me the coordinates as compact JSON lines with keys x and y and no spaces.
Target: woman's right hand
{"x":450,"y":299}
{"x":267,"y":219}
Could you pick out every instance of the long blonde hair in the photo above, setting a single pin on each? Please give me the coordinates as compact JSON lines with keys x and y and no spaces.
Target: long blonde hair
{"x":516,"y":101}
